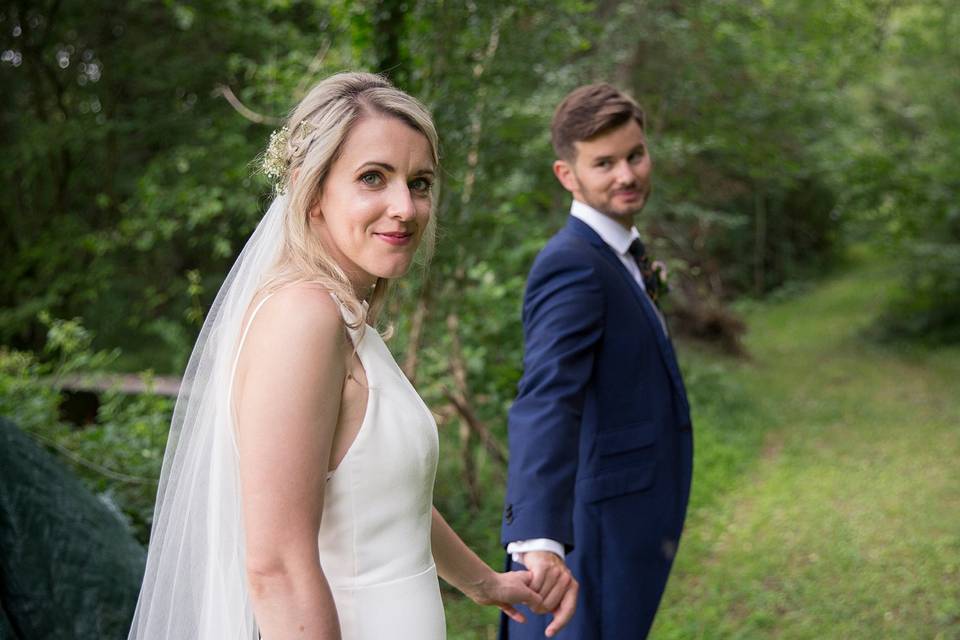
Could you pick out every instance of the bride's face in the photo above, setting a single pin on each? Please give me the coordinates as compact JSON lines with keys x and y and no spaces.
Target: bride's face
{"x":375,"y":202}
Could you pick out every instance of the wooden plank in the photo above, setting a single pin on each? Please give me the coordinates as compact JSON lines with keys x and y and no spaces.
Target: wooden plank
{"x":124,"y":383}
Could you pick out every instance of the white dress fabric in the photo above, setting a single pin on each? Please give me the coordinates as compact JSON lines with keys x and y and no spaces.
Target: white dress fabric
{"x":374,"y":541}
{"x":375,"y":530}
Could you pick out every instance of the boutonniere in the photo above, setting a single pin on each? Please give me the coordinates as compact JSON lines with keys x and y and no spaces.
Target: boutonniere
{"x":653,"y":272}
{"x":658,"y":284}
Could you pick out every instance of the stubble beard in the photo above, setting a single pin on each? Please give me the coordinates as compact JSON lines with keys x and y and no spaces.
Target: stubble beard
{"x":626,"y":215}
{"x":623,"y":217}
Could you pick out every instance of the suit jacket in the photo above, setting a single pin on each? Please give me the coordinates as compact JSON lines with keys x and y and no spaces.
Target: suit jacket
{"x":600,"y":437}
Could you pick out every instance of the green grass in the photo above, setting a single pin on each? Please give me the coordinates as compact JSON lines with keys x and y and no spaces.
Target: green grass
{"x":845,"y":521}
{"x":826,"y":498}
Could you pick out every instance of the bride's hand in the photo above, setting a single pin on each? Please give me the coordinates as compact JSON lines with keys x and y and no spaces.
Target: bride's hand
{"x":504,"y":590}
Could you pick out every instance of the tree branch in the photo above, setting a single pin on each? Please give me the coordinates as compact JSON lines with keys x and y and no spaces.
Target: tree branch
{"x":476,"y":115}
{"x":459,"y":397}
{"x":312,"y":70}
{"x":410,"y":358}
{"x":246,"y":112}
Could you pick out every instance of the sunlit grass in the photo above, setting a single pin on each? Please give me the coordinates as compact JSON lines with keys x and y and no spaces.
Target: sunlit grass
{"x":847,"y":524}
{"x":826,"y":501}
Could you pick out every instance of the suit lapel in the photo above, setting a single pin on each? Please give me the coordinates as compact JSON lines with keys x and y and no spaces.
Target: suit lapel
{"x":582,"y":230}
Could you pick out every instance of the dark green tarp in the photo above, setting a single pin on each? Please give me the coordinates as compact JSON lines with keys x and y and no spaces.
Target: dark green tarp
{"x":68,"y":566}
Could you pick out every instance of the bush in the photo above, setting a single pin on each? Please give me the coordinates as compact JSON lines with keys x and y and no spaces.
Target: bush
{"x":928,"y":306}
{"x":118,"y":457}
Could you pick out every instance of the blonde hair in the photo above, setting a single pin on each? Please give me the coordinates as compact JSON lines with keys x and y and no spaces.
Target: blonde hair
{"x":317,"y":128}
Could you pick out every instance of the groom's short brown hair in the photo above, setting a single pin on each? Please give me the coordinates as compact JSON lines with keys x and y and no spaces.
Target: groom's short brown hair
{"x":588,"y":111}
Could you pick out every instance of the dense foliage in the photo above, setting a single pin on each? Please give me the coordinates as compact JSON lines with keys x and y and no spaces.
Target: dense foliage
{"x":119,"y":455}
{"x":780,"y":130}
{"x":129,"y":182}
{"x":903,"y":177}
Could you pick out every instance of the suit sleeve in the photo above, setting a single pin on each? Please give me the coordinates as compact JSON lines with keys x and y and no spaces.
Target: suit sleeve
{"x":563,"y":323}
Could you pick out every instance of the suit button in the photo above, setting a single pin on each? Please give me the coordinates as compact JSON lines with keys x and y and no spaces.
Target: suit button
{"x":508,"y":514}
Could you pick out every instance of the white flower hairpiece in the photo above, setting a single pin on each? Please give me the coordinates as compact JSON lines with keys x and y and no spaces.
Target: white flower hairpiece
{"x":276,"y":164}
{"x":275,"y":158}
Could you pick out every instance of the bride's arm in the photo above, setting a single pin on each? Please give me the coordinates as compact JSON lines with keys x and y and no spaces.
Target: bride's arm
{"x":288,"y":390}
{"x":461,"y":567}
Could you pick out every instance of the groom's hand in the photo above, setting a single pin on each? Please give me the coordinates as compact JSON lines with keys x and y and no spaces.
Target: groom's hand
{"x":551,"y":578}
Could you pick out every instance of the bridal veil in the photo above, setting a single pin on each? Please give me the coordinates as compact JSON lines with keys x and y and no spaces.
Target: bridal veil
{"x":195,"y":584}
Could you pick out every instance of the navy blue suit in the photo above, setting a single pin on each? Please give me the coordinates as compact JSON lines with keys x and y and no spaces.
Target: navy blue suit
{"x":601,"y":447}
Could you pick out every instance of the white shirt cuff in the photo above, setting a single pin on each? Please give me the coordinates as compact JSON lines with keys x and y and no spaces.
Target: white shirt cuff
{"x":517,"y":548}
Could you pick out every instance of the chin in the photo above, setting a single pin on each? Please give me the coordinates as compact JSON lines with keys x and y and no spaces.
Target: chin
{"x":630,"y":210}
{"x":620,"y":212}
{"x":392,"y":272}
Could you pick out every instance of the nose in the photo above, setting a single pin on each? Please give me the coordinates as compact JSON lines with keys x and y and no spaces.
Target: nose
{"x":624,"y":173}
{"x":401,"y":204}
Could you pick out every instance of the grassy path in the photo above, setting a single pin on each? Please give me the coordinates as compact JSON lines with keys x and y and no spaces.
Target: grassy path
{"x":845,"y":523}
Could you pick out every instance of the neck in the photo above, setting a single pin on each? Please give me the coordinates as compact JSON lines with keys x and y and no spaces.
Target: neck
{"x":364,"y":288}
{"x":360,"y":281}
{"x":624,"y":220}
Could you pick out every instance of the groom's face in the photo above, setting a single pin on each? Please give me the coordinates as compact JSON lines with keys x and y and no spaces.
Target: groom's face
{"x":610,"y":172}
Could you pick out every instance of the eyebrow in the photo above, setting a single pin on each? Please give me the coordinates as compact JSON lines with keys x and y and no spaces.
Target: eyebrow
{"x":639,"y":147}
{"x":386,"y":166}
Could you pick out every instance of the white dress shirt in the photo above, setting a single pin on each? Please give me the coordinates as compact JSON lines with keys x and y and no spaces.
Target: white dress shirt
{"x":618,"y":239}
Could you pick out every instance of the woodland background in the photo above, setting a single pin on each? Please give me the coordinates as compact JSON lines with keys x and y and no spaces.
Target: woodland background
{"x":794,"y":142}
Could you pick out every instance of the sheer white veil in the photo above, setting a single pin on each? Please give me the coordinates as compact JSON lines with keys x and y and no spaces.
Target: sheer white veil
{"x":195,"y":585}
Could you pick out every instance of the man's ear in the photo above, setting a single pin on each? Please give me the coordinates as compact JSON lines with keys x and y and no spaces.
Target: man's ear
{"x":566,"y":176}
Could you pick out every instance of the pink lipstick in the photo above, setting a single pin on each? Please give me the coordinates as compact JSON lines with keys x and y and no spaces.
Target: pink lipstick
{"x":397,"y":239}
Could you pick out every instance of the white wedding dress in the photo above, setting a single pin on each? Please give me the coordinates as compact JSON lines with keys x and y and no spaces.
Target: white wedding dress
{"x":377,"y":512}
{"x":378,"y":507}
{"x":374,"y":537}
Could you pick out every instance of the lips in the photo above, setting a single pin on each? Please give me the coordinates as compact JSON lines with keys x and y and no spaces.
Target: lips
{"x":396,"y":238}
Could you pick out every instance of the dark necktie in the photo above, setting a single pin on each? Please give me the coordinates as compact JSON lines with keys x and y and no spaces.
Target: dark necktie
{"x":651,"y":277}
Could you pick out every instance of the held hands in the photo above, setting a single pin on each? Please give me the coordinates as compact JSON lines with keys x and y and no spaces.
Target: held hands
{"x":547,"y":587}
{"x":556,"y":586}
{"x":504,"y":590}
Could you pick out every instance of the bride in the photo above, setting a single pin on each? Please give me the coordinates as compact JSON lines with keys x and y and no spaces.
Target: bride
{"x":295,"y":499}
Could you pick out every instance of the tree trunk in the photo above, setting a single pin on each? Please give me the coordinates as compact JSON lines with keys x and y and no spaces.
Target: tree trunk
{"x":759,"y":244}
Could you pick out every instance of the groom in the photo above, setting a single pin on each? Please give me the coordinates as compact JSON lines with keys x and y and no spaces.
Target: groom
{"x":601,"y":447}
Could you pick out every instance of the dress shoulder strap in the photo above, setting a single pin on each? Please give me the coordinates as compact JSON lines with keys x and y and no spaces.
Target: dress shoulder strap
{"x":349,"y":318}
{"x":243,"y":338}
{"x":246,"y":329}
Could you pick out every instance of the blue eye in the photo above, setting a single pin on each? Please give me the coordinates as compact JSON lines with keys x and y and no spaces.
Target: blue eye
{"x":371,"y":179}
{"x":421,"y":185}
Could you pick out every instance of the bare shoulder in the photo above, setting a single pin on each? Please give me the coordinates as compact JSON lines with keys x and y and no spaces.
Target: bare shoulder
{"x":301,"y":316}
